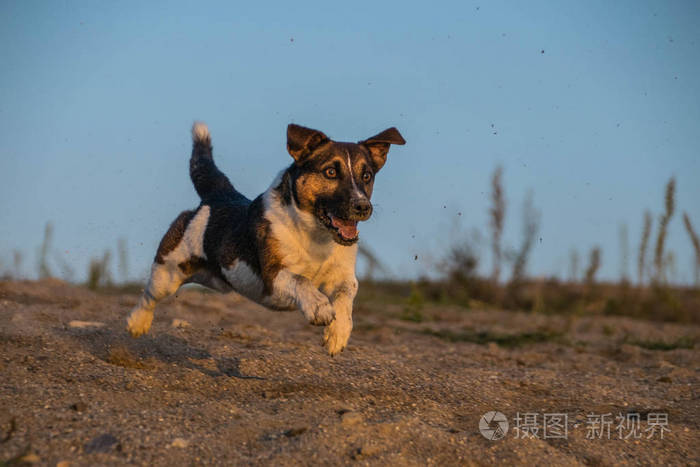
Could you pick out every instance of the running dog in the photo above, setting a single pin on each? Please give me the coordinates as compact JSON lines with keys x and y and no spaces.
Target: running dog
{"x":292,"y":248}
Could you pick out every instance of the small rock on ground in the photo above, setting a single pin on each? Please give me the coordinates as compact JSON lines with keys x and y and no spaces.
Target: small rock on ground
{"x":180,"y":323}
{"x":85,"y":324}
{"x":350,"y":419}
{"x":102,"y":443}
{"x":179,"y":443}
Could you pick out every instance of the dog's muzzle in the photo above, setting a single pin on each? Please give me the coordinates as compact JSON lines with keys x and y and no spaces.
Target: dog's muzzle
{"x":361,"y":209}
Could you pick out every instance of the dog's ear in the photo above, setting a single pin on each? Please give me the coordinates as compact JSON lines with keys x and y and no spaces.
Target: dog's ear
{"x":302,"y":141}
{"x":378,"y":145}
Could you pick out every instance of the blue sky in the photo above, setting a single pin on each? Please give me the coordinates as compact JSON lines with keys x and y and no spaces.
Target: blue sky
{"x":592,"y":105}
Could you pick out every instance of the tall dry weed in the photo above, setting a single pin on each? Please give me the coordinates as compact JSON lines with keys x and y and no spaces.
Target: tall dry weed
{"x":643,"y":246}
{"x":43,"y":258}
{"x":67,"y":271}
{"x":498,"y":213}
{"x":669,"y":198}
{"x":17,"y":260}
{"x":696,"y":245}
{"x":594,"y":262}
{"x":531,"y":225}
{"x":624,"y":253}
{"x":98,"y":271}
{"x":123,"y":259}
{"x":461,"y":262}
{"x":372,"y":262}
{"x":573,"y":265}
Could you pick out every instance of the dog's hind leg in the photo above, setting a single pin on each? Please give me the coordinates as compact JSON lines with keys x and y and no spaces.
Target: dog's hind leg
{"x":180,"y":256}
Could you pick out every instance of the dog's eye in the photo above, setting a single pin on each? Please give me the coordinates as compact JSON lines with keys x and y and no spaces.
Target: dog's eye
{"x":331,"y":172}
{"x":366,"y":177}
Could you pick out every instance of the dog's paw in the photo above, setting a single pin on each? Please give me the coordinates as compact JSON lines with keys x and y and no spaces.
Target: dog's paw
{"x":319,"y":311}
{"x":336,"y":335}
{"x":139,"y":322}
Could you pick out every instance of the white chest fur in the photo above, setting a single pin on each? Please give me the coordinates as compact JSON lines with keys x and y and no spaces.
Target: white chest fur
{"x":306,"y":248}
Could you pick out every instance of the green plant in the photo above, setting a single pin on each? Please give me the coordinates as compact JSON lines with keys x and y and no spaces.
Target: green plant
{"x":415,"y":299}
{"x":503,"y":340}
{"x":412,"y":314}
{"x":680,"y":343}
{"x":414,"y":305}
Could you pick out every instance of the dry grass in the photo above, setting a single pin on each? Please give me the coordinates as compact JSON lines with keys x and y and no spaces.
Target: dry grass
{"x":573,"y":265}
{"x":594,"y":262}
{"x":44,"y":249}
{"x":531,"y":225}
{"x":123,"y":258}
{"x":497,"y":216}
{"x":461,"y":283}
{"x":659,"y":258}
{"x":372,"y":262}
{"x":696,"y":245}
{"x":17,"y":259}
{"x":624,"y":253}
{"x":548,"y":296}
{"x":643,"y":245}
{"x":98,"y":272}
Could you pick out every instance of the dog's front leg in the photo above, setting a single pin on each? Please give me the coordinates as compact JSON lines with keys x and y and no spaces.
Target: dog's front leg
{"x":336,"y":334}
{"x":295,"y":291}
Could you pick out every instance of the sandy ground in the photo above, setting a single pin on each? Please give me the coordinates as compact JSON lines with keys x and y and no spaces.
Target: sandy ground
{"x":236,"y":384}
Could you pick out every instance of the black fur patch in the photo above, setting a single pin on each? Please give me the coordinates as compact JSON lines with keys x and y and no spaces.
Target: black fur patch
{"x":173,"y":236}
{"x":286,"y":188}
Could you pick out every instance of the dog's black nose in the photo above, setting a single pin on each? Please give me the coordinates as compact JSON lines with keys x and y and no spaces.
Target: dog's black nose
{"x":361,"y":207}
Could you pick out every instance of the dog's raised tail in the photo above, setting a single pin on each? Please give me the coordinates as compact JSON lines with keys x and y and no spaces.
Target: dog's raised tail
{"x":208,"y":180}
{"x":201,"y":136}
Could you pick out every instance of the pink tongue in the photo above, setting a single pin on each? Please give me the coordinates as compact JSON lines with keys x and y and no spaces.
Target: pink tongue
{"x":347,"y":229}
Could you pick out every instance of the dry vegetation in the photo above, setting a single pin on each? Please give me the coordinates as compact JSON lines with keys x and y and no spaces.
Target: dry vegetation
{"x":696,"y":245}
{"x":498,"y":214}
{"x":652,"y":298}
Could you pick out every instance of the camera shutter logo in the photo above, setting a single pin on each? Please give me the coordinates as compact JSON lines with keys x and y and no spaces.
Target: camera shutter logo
{"x":493,"y":425}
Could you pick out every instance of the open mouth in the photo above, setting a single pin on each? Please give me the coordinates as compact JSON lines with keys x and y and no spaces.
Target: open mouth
{"x":346,"y":230}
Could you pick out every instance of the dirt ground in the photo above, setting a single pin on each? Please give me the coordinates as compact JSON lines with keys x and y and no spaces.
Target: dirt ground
{"x":232,"y":383}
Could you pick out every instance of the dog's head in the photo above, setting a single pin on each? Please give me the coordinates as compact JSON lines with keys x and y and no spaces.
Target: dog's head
{"x":334,"y":180}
